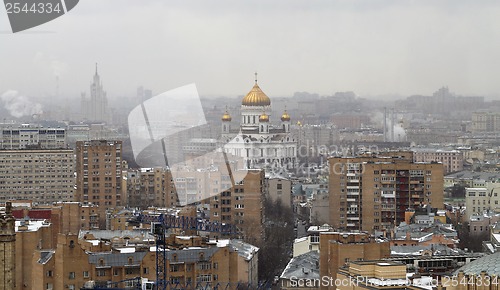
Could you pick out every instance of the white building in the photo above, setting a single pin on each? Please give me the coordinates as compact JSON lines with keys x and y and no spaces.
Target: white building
{"x":260,"y":144}
{"x":482,"y":199}
{"x":25,"y":136}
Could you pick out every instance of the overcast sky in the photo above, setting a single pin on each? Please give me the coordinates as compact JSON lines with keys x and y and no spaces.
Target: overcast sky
{"x":371,"y":47}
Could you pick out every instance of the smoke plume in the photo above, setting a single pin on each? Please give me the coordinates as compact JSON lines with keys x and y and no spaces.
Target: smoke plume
{"x":19,"y":105}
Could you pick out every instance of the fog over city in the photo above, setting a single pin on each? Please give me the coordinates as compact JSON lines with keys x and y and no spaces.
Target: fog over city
{"x":374,"y":48}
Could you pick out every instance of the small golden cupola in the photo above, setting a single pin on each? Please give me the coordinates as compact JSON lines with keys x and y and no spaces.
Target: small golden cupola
{"x":226,"y":117}
{"x":285,"y":117}
{"x":264,"y":118}
{"x":256,"y":97}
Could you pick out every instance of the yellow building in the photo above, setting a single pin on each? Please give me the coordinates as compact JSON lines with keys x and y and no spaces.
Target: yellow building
{"x":7,"y":249}
{"x":241,"y":206}
{"x":337,"y":249}
{"x":190,"y":260}
{"x":376,"y":275}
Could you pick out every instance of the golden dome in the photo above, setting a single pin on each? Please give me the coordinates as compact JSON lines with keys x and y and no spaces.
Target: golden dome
{"x":264,"y":118}
{"x":256,"y":97}
{"x":226,"y":117}
{"x":285,"y":116}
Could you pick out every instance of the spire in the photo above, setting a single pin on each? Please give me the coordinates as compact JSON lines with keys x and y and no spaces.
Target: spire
{"x":96,"y":68}
{"x":255,"y":77}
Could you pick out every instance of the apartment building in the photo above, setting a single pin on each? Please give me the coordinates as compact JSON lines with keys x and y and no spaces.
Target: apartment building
{"x":150,"y":187}
{"x":241,"y":205}
{"x":7,"y":249}
{"x":280,"y":188}
{"x":482,"y":200}
{"x":99,"y":175}
{"x":484,"y":121}
{"x":27,"y":136}
{"x":43,"y":176}
{"x":452,"y":160}
{"x":373,"y":192}
{"x":76,"y":261}
{"x":338,"y":249}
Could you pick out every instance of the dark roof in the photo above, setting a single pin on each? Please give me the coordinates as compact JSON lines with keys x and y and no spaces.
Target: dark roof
{"x":116,"y":259}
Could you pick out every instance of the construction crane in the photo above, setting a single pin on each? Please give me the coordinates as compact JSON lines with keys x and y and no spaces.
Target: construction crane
{"x":162,"y":222}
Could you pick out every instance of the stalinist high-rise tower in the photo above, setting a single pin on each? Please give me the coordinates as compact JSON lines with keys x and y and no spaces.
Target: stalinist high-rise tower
{"x":96,"y":108}
{"x":7,"y":248}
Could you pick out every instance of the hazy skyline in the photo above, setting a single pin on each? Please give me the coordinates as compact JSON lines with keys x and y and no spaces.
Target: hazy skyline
{"x":374,"y":47}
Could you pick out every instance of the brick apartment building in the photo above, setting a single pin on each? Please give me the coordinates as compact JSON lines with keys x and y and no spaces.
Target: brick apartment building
{"x":99,"y":175}
{"x":373,"y":192}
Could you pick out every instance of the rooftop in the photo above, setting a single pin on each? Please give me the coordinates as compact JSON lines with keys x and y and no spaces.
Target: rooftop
{"x":489,"y":264}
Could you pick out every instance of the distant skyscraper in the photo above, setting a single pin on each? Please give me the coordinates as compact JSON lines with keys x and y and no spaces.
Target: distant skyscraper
{"x":143,"y":94}
{"x":96,"y":108}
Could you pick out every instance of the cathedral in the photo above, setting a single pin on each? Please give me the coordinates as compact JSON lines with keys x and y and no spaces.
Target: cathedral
{"x":260,"y":144}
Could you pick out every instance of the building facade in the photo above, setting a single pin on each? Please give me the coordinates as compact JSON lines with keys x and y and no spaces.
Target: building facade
{"x":150,"y":187}
{"x":453,"y":160}
{"x":484,"y":121}
{"x":482,"y":200}
{"x":373,"y":193}
{"x":337,"y":249}
{"x":242,"y":205}
{"x":99,"y":174}
{"x":43,"y":176}
{"x":7,"y":249}
{"x":27,"y":136}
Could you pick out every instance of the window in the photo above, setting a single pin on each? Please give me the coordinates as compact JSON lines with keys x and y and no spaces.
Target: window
{"x":101,"y":273}
{"x":279,"y":186}
{"x":49,"y":286}
{"x":204,"y":278}
{"x":49,"y":273}
{"x":216,"y":265}
{"x":204,"y":266}
{"x":145,"y":270}
{"x":71,"y":275}
{"x":85,"y":274}
{"x":71,"y":287}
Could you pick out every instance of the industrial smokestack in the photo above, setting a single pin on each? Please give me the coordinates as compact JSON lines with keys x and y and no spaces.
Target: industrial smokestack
{"x":385,"y":124}
{"x":392,"y":126}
